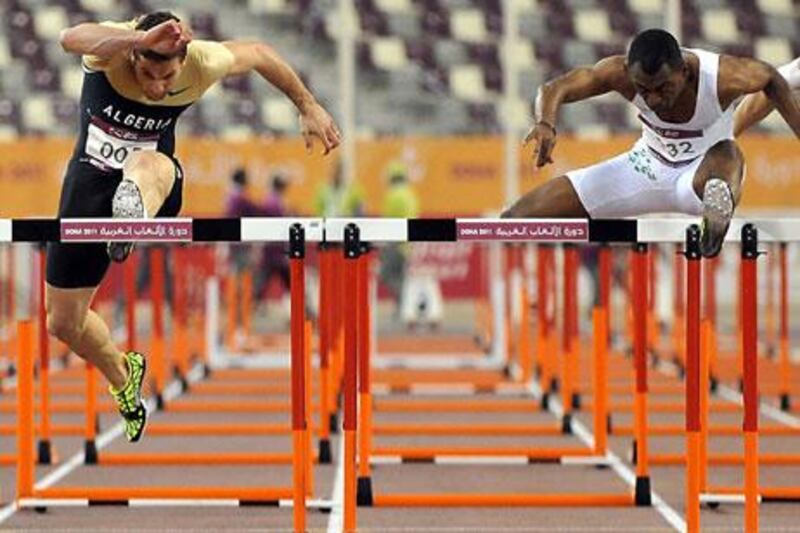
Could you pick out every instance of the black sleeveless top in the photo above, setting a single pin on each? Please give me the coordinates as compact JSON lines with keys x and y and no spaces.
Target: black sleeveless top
{"x":112,"y":126}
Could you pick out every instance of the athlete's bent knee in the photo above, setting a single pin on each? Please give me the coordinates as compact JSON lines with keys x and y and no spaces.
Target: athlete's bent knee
{"x":727,"y":149}
{"x":148,"y":161}
{"x":65,"y":326}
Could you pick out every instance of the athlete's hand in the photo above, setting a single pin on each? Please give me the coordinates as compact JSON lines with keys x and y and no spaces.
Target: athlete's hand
{"x":544,"y":137}
{"x":167,"y":38}
{"x":316,"y":122}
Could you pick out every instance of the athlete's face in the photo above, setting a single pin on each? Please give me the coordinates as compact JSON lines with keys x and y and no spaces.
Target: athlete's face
{"x":156,"y":78}
{"x":660,"y":90}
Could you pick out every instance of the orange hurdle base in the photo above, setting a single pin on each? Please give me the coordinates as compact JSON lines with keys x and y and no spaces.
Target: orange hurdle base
{"x":122,"y":495}
{"x":767,"y":494}
{"x":211,"y":459}
{"x":727,"y":459}
{"x":503,"y":500}
{"x":431,"y":454}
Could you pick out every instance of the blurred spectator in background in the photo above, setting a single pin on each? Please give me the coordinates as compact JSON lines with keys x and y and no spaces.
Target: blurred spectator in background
{"x":238,"y":204}
{"x":337,"y":198}
{"x":400,"y":201}
{"x":274,"y":260}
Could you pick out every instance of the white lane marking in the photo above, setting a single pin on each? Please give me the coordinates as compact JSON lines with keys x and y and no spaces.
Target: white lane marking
{"x":582,"y":432}
{"x":103,"y":440}
{"x":336,"y":520}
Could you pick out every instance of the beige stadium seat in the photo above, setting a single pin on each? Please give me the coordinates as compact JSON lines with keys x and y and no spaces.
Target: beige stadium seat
{"x":395,"y":6}
{"x":49,"y":21}
{"x":388,"y":53}
{"x":774,"y":50}
{"x":777,"y":7}
{"x":237,"y":132}
{"x":468,"y":25}
{"x":526,"y":6}
{"x":649,"y":7}
{"x":98,"y":6}
{"x":37,"y":113}
{"x":592,"y":25}
{"x":719,"y":26}
{"x":466,"y":83}
{"x":523,"y":54}
{"x":267,"y":6}
{"x":72,"y":81}
{"x":279,"y":114}
{"x":5,"y":53}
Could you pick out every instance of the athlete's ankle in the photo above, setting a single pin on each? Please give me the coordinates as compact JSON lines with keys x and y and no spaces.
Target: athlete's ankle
{"x":125,"y":370}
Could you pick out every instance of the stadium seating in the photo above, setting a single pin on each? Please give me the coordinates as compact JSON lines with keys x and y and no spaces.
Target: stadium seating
{"x":422,"y":66}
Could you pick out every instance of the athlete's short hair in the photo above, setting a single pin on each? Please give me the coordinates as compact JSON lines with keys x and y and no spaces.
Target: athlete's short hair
{"x":151,"y":20}
{"x":652,"y":49}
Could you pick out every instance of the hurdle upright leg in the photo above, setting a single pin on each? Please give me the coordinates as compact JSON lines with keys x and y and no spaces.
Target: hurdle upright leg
{"x":157,"y":348}
{"x":25,"y":410}
{"x":750,"y":351}
{"x":542,"y":325}
{"x":567,"y":351}
{"x":44,"y":455}
{"x":679,"y":309}
{"x":693,"y":384}
{"x":364,"y":489}
{"x":785,"y":364}
{"x":325,"y":336}
{"x":352,"y":250}
{"x":600,"y":374}
{"x":524,"y":342}
{"x":299,"y":422}
{"x":640,"y":362}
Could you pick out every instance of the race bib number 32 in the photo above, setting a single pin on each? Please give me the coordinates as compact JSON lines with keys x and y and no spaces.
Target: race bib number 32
{"x":112,"y":151}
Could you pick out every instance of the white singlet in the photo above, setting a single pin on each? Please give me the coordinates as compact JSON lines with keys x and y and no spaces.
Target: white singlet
{"x":791,"y":71}
{"x":656,"y":175}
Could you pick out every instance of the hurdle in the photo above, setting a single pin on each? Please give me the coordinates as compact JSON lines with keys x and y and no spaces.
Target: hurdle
{"x":514,"y":397}
{"x":296,"y":231}
{"x":222,"y":383}
{"x":355,"y":231}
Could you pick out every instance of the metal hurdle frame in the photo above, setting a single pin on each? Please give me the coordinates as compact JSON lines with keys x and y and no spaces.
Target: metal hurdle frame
{"x":297,"y":232}
{"x":353,"y":232}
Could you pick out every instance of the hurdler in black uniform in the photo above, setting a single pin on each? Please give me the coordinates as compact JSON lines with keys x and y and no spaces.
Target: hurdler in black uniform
{"x":117,"y":119}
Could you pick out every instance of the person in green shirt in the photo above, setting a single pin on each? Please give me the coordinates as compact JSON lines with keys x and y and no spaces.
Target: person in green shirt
{"x":400,"y":201}
{"x":337,"y":198}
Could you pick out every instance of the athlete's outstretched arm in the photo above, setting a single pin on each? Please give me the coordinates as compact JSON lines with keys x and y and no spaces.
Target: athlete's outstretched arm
{"x":740,"y":76}
{"x":261,"y":58}
{"x":106,"y":41}
{"x":607,"y":75}
{"x":751,"y":111}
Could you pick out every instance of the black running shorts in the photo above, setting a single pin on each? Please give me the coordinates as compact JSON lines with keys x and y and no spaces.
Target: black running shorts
{"x":87,"y":193}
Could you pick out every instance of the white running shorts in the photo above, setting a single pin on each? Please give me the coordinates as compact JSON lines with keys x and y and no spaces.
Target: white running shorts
{"x":636,"y":183}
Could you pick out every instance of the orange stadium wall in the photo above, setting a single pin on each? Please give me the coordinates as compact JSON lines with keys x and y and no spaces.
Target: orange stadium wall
{"x":458,"y":175}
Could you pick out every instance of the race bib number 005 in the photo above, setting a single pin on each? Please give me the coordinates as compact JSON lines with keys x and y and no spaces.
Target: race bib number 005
{"x":112,"y":151}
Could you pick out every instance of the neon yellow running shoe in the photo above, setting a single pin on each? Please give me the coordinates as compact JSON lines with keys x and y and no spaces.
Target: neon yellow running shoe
{"x":129,"y":398}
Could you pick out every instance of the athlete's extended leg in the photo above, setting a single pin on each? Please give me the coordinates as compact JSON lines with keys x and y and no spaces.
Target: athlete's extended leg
{"x":555,"y":198}
{"x":147,"y":179}
{"x":718,"y":182}
{"x":70,"y":320}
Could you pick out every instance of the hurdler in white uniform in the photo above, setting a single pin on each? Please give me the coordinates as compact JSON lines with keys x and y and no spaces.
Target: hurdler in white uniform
{"x":656,"y":174}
